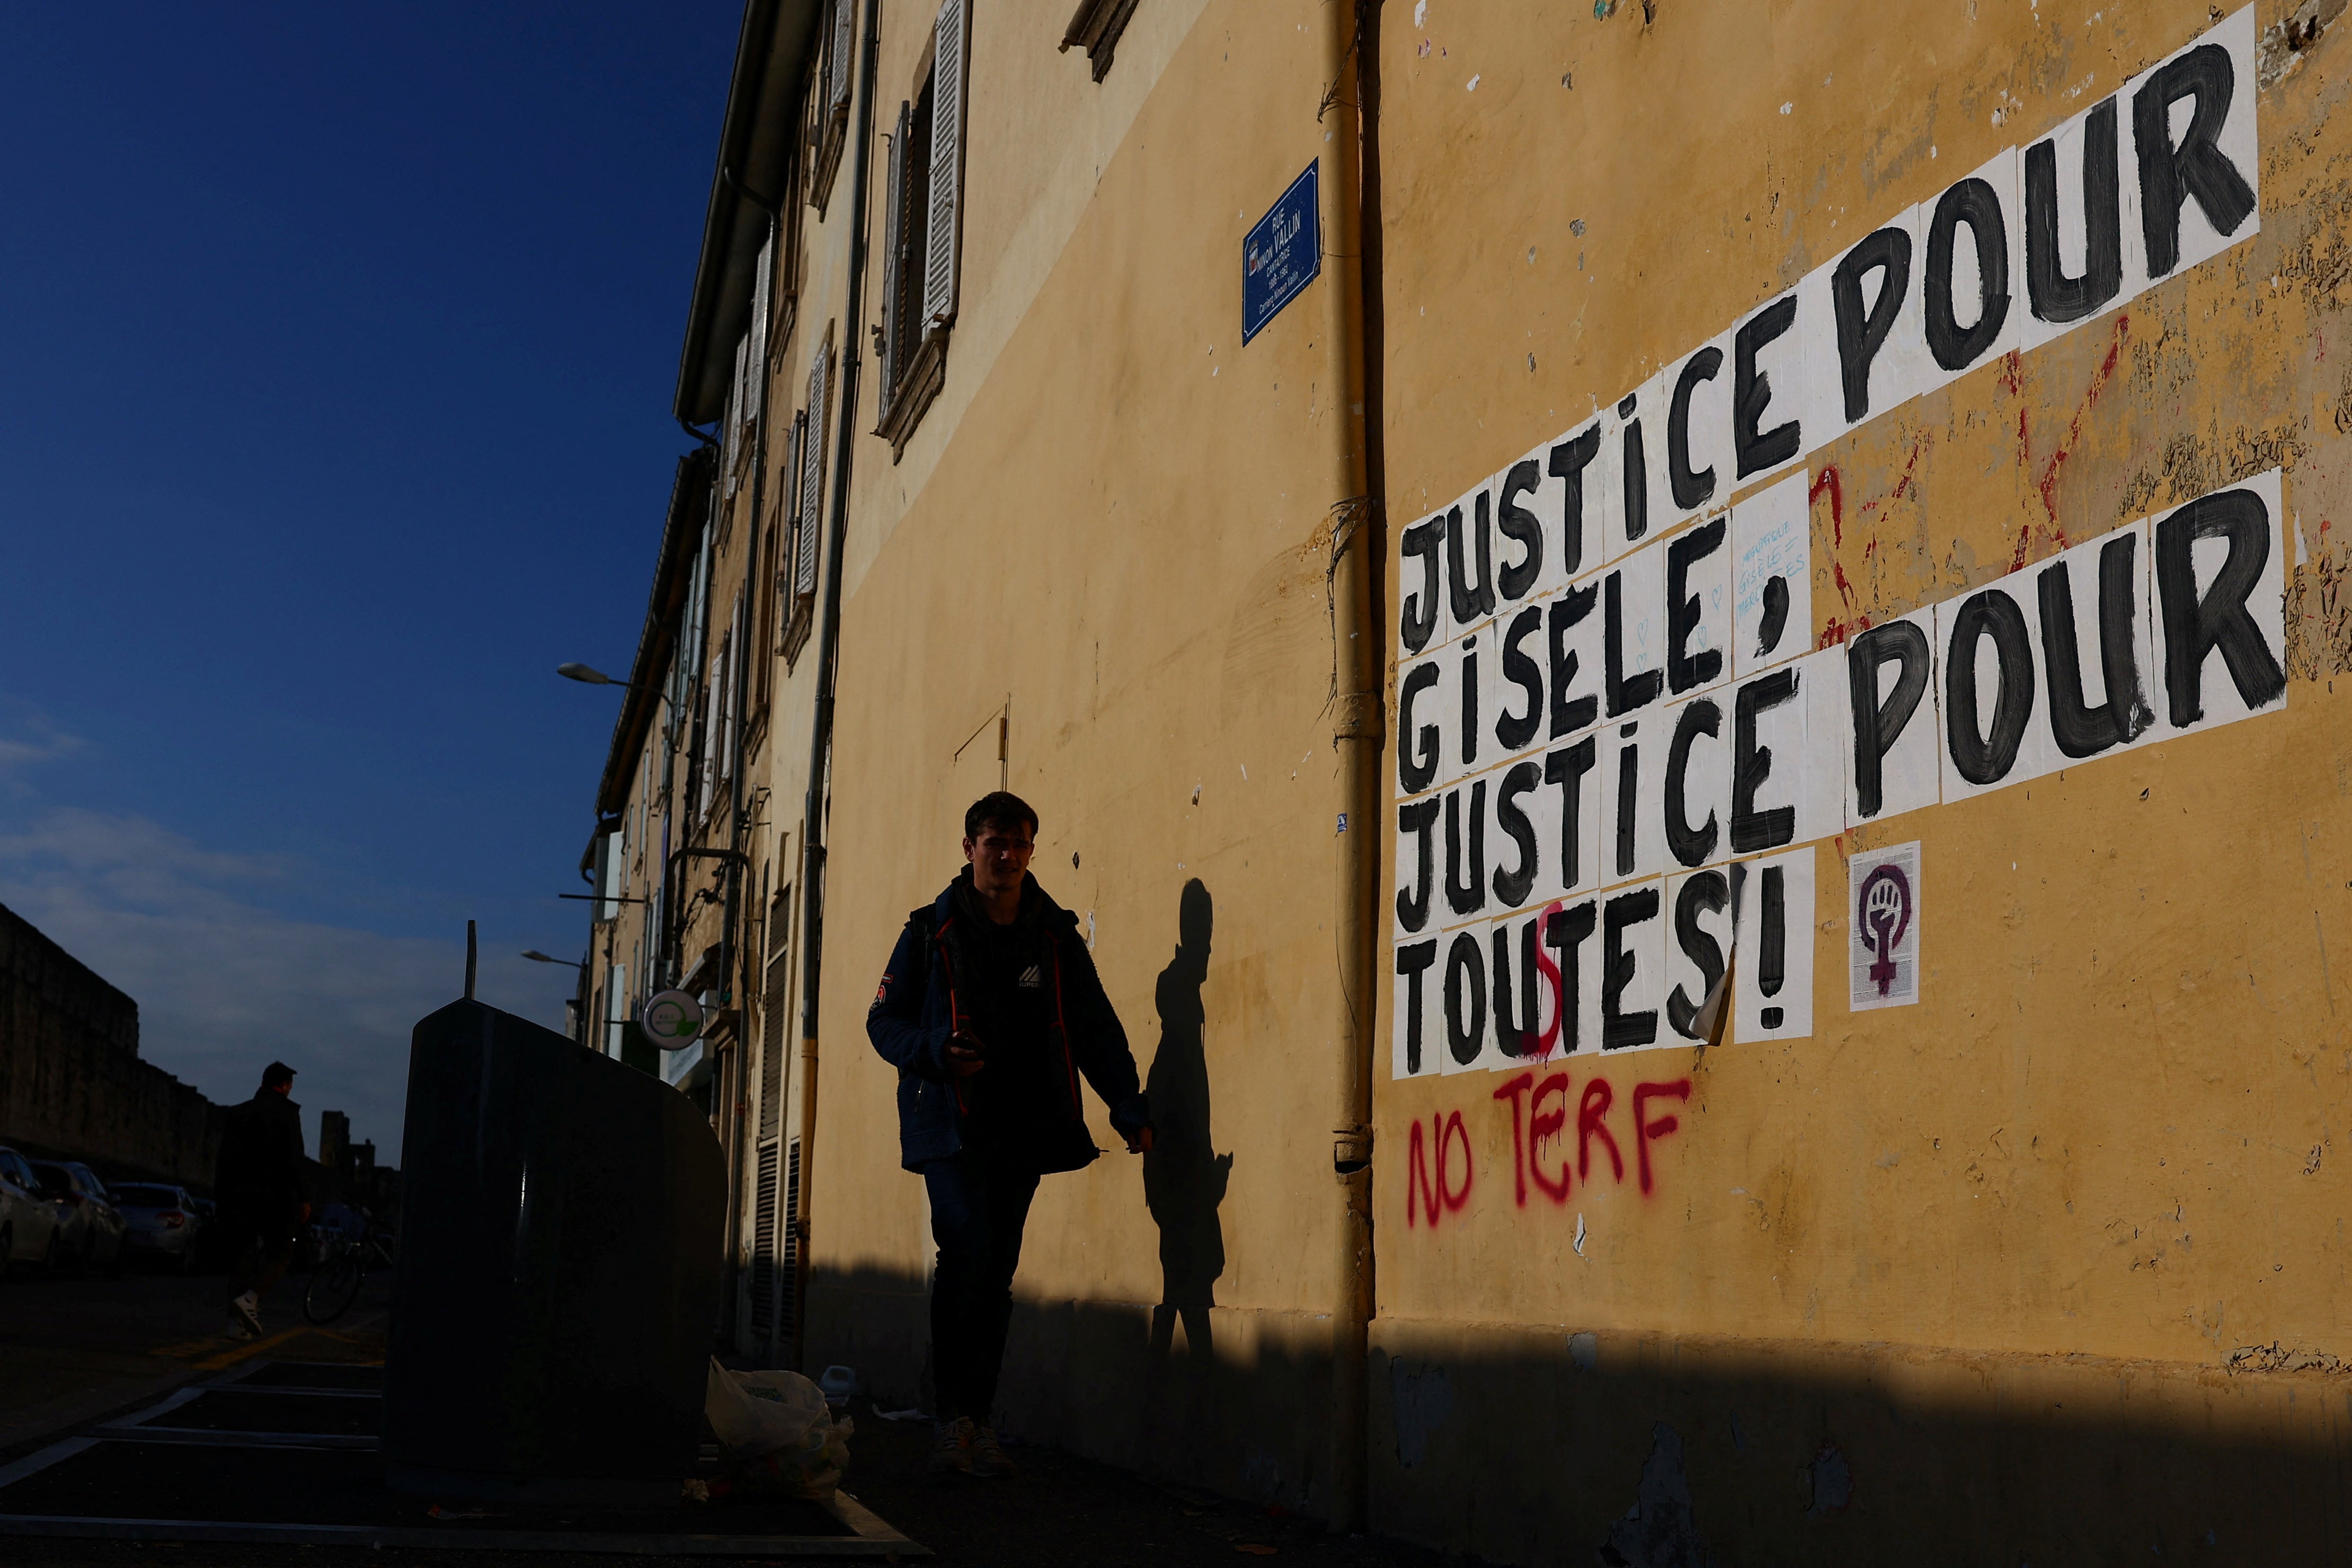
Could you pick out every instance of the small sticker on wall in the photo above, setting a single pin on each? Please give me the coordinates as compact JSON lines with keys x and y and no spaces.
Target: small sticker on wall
{"x":1882,"y":913}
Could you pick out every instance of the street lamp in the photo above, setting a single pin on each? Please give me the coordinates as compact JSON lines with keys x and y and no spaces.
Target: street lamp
{"x":588,"y":675}
{"x":539,"y":957}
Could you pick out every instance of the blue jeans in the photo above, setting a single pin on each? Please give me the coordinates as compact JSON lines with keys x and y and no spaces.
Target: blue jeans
{"x":979,"y":1205}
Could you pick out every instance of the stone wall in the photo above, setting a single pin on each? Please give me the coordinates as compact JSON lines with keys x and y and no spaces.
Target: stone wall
{"x":72,"y":1082}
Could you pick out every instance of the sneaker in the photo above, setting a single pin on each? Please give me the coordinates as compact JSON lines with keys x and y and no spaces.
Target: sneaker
{"x":245,"y":1311}
{"x":237,"y":1330}
{"x":988,"y":1459}
{"x":951,"y":1445}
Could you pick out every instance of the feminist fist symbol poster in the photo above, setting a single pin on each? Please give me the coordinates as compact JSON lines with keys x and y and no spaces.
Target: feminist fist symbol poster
{"x":1883,"y":917}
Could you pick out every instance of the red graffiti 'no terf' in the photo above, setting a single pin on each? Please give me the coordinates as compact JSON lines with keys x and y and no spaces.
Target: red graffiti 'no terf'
{"x":1539,"y":1126}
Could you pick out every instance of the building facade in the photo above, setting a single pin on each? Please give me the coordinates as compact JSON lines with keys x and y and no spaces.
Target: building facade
{"x":1511,"y":547}
{"x":72,"y":1083}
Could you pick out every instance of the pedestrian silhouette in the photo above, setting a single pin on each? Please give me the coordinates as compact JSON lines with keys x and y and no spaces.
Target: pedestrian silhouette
{"x":1184,"y":1178}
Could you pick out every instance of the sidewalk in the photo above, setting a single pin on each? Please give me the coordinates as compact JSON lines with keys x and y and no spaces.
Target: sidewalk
{"x":1066,"y":1513}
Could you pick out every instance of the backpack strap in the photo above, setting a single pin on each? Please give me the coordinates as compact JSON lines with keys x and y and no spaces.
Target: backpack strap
{"x":922,"y":923}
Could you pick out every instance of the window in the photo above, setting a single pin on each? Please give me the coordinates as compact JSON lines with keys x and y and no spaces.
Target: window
{"x":831,"y":102}
{"x":609,"y":871}
{"x":616,"y":1011}
{"x":1096,"y":27}
{"x":925,"y":227}
{"x":799,"y":586}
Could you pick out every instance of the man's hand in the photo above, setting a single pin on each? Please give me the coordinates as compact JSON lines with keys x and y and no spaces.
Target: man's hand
{"x":965,"y":1055}
{"x":1139,"y":1141}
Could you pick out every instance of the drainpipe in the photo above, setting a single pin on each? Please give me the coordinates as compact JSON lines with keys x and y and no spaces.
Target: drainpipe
{"x":1351,"y":76}
{"x":812,"y":823}
{"x":733,"y":986}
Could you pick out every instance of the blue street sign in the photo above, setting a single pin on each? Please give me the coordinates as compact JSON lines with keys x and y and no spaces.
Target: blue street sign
{"x":1282,"y":254}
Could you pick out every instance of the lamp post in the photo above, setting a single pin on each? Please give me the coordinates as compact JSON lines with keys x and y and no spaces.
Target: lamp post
{"x":589,"y":675}
{"x":537,"y":956}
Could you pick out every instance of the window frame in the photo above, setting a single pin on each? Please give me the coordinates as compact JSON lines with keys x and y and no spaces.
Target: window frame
{"x":925,"y":199}
{"x":1096,"y":27}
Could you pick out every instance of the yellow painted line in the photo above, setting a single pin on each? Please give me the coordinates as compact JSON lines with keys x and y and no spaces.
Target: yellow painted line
{"x":230,"y":1357}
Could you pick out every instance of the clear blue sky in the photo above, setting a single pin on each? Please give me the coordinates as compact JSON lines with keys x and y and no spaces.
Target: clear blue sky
{"x":335,"y":381}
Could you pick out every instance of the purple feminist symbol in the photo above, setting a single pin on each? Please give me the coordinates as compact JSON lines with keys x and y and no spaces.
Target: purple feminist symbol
{"x":1885,"y":915}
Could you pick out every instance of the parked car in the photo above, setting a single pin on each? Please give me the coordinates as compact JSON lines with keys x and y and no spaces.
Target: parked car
{"x":29,"y":1230}
{"x":163,"y":1223}
{"x":93,"y":1226}
{"x":212,"y":1241}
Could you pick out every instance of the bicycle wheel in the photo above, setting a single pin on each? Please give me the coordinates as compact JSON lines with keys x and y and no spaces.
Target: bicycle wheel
{"x":332,"y":1291}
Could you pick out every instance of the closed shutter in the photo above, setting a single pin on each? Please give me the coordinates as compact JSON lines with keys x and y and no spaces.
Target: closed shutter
{"x":763,"y":1250}
{"x":947,"y":163}
{"x":730,"y":743}
{"x":705,"y":753}
{"x":771,"y":1047}
{"x":893,"y":240}
{"x":811,"y":477}
{"x":837,"y":73}
{"x":788,"y":1296}
{"x":803,"y":534}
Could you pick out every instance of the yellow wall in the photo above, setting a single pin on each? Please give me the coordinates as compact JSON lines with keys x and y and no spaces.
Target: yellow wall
{"x":2008,"y":1260}
{"x":2104,"y":1133}
{"x":1115,"y":513}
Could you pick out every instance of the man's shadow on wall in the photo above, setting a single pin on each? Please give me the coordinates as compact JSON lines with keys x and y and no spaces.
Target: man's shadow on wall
{"x":1183,"y":1179}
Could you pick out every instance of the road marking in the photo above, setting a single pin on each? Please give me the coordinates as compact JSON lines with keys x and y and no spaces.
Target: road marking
{"x":231,"y":1358}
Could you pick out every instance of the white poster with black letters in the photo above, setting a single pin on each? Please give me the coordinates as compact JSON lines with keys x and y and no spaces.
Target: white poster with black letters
{"x":1772,"y":955}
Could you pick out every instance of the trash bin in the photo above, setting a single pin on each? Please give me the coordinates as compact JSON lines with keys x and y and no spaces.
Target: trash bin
{"x":559,"y":1274}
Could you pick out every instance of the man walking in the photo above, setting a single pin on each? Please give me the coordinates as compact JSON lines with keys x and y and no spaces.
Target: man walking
{"x":258,"y":1185}
{"x":991,"y":1009}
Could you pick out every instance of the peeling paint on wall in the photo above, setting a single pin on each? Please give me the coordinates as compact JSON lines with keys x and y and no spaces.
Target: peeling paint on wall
{"x":1661,"y":1530}
{"x":2319,"y":618}
{"x":1423,"y":1400}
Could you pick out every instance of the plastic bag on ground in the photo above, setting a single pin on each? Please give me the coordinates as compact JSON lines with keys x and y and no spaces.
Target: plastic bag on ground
{"x":776,"y":1435}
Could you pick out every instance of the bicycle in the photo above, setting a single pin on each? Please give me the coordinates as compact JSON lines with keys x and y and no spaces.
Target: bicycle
{"x":336,"y":1284}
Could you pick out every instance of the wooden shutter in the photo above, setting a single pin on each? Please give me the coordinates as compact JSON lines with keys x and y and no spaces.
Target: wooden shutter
{"x":709,"y":729}
{"x":772,"y":1046}
{"x":788,"y":570}
{"x":838,"y":72}
{"x":729,"y":743}
{"x":788,"y":1283}
{"x":947,"y":163}
{"x":756,"y":365}
{"x":763,"y":1249}
{"x":734,"y":418}
{"x":811,"y":478}
{"x":893,"y":222}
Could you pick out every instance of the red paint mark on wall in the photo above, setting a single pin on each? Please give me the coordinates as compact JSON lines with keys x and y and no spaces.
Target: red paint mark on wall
{"x":1438,"y":1165}
{"x":1432,"y":1190}
{"x":1590,"y":1111}
{"x":1541,"y":1045}
{"x":2047,"y":487}
{"x":1546,"y":1127}
{"x":1827,"y":480}
{"x":1903,"y":483}
{"x":1645,"y":1130}
{"x":1516,"y":1091}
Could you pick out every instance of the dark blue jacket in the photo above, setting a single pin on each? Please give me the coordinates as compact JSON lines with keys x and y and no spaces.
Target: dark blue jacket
{"x":915,"y":1011}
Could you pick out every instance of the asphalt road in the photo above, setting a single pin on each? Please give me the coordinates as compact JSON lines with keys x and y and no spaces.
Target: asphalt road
{"x":77,"y":1347}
